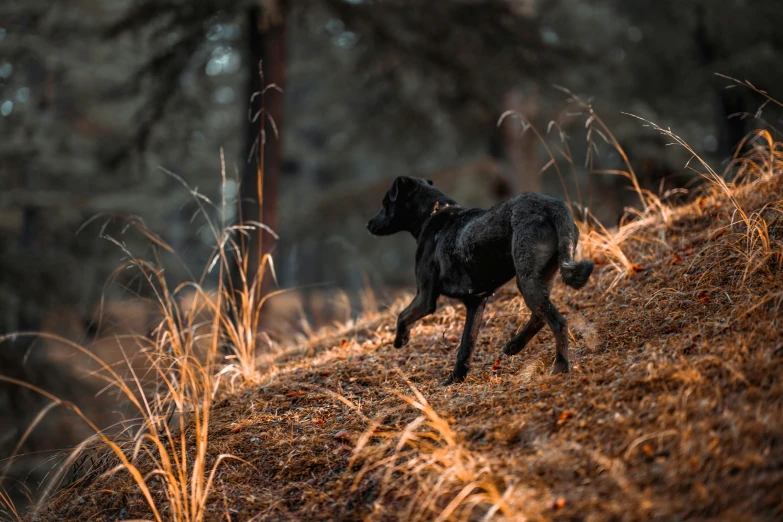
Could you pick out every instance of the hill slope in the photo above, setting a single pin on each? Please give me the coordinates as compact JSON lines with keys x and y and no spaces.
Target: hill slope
{"x":673,"y":409}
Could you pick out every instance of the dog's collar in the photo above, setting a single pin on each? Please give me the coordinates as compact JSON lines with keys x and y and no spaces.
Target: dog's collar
{"x":438,"y":207}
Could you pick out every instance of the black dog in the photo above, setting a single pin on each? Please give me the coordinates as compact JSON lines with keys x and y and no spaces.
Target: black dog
{"x":468,"y":253}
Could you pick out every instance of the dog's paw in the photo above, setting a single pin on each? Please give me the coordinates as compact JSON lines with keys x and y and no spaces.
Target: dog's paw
{"x":561,"y":367}
{"x":452,"y":379}
{"x":401,"y":339}
{"x":511,"y":348}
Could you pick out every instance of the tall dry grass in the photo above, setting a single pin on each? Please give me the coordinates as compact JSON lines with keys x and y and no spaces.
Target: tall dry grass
{"x":756,"y":158}
{"x":8,"y":510}
{"x":183,"y":367}
{"x":214,"y":339}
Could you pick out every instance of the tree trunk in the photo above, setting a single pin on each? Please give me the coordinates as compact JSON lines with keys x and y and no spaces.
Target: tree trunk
{"x":266,"y":38}
{"x":521,"y":147}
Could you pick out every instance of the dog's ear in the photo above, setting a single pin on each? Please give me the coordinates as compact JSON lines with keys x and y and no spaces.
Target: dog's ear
{"x":394,"y":191}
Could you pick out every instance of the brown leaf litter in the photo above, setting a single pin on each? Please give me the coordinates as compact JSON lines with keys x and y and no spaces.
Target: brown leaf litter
{"x":673,"y":409}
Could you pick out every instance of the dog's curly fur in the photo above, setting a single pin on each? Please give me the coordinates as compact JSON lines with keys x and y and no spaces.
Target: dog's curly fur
{"x":468,"y":253}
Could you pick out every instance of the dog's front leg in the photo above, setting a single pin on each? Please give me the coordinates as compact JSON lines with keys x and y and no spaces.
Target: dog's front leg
{"x":422,"y":305}
{"x":474,"y":312}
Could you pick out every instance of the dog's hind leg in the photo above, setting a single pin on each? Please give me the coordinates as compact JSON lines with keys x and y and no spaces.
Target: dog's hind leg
{"x":474,"y":312}
{"x":559,"y":326}
{"x":537,"y":299}
{"x":520,"y":340}
{"x":535,"y":260}
{"x":423,"y":304}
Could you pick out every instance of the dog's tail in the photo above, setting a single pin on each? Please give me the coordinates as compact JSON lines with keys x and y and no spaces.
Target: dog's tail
{"x":575,"y":274}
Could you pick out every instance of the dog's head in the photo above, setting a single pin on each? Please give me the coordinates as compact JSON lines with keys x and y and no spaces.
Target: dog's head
{"x":400,"y":206}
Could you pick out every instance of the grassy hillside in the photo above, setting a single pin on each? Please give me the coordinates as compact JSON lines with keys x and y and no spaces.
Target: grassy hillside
{"x":673,"y":409}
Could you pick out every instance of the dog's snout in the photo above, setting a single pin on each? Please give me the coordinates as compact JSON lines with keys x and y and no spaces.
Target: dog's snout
{"x":379,"y":225}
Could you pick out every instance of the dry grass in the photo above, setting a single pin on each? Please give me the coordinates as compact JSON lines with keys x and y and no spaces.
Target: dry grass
{"x":425,"y":467}
{"x":163,"y":449}
{"x":673,"y":410}
{"x":170,"y":378}
{"x":8,"y":509}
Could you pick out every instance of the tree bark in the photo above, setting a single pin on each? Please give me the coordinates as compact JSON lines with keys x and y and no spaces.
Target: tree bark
{"x":266,"y":39}
{"x":521,"y":147}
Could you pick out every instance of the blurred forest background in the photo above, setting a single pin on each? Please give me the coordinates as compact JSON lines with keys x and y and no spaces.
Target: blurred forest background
{"x":98,"y":96}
